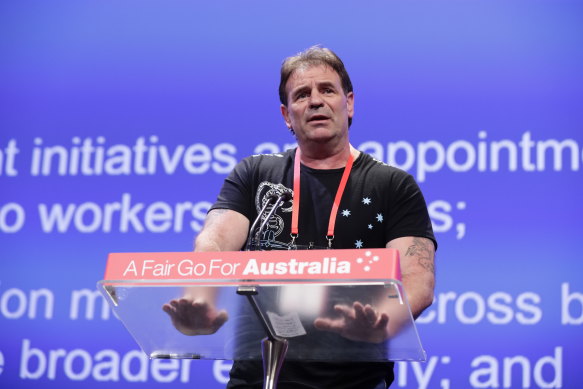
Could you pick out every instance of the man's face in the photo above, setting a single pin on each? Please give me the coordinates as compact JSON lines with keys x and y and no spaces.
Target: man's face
{"x":317,"y":108}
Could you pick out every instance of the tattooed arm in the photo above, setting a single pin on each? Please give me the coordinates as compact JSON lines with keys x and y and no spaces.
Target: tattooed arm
{"x":377,"y":323}
{"x":418,"y":270}
{"x":224,"y":230}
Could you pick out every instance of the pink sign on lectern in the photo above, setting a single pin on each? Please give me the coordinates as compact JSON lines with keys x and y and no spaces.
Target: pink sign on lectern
{"x":250,"y":266}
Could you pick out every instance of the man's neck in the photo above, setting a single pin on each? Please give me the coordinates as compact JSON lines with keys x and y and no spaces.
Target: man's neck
{"x":320,"y":158}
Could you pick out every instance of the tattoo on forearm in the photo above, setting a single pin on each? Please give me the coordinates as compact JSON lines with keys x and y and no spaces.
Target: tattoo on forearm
{"x":422,"y":249}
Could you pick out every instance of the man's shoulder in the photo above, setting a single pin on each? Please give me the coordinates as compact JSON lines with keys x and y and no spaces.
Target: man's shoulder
{"x":368,"y":162}
{"x":270,"y":158}
{"x":273,"y":163}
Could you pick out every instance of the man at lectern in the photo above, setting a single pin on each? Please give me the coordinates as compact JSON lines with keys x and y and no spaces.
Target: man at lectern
{"x":334,"y":196}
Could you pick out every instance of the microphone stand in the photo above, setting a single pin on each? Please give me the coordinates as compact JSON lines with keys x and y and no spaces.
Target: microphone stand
{"x":273,"y":347}
{"x":280,"y":199}
{"x":250,"y":235}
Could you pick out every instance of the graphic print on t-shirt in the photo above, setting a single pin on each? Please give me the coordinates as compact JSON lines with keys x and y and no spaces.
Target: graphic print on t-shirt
{"x":265,"y":192}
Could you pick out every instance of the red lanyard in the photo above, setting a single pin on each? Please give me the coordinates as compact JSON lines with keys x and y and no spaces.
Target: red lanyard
{"x":335,"y":205}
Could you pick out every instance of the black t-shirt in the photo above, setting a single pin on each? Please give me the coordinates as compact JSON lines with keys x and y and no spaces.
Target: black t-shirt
{"x":380,"y":203}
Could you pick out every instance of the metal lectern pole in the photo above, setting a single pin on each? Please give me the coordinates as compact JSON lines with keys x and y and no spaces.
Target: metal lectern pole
{"x":273,"y":347}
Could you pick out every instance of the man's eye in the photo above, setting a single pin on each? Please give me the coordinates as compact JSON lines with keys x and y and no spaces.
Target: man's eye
{"x":301,"y":95}
{"x":328,"y":90}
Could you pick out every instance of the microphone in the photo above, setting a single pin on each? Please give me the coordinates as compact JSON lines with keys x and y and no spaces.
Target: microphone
{"x":280,"y":198}
{"x":287,"y":195}
{"x":283,"y":196}
{"x":269,"y":199}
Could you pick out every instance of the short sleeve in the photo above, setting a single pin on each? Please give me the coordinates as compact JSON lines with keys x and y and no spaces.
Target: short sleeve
{"x":408,"y":215}
{"x":236,"y":193}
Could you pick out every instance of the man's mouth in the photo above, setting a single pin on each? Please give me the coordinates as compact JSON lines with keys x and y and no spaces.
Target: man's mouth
{"x":318,"y":118}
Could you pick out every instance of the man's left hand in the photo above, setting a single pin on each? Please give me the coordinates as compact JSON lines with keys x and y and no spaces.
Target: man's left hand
{"x":360,"y":323}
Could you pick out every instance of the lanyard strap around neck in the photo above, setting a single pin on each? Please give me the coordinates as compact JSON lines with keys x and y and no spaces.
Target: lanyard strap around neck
{"x":335,"y":205}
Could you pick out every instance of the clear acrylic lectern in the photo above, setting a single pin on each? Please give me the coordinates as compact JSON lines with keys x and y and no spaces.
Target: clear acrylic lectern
{"x":283,"y":295}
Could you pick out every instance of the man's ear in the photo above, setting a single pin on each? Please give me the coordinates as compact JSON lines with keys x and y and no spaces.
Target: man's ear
{"x":350,"y":104}
{"x":285,"y":114}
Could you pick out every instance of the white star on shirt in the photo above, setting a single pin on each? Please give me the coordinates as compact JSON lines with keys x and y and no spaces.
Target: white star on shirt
{"x":380,"y":217}
{"x":358,"y":244}
{"x":346,"y":213}
{"x":366,"y":201}
{"x":370,"y":226}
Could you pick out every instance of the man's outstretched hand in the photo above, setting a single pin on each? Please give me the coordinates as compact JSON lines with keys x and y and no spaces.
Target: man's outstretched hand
{"x":195,"y":316}
{"x":359,"y":323}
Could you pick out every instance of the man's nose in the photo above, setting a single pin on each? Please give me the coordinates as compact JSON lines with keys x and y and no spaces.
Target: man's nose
{"x":316,"y":100}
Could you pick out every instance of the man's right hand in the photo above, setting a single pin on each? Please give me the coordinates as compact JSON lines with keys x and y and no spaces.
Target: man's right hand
{"x":195,"y":316}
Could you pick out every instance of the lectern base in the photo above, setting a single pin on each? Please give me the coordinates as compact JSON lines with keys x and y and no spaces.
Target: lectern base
{"x":274,"y":351}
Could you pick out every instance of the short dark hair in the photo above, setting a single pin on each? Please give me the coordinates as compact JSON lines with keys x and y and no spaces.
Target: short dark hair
{"x":313,"y":56}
